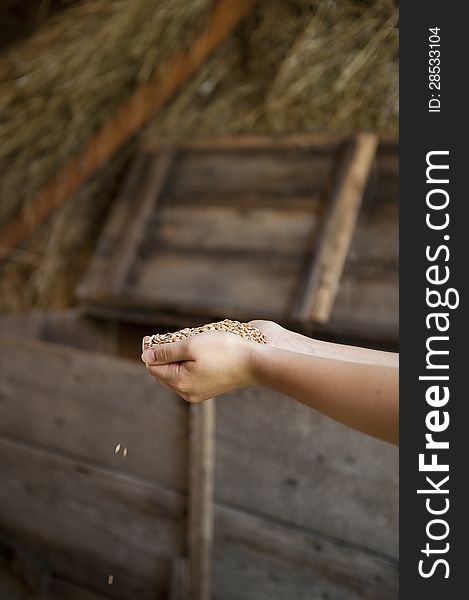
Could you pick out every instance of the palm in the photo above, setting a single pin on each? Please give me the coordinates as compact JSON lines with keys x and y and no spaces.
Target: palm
{"x":276,"y":335}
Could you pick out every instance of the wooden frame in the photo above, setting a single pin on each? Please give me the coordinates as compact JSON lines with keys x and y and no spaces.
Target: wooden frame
{"x":302,"y":504}
{"x":329,"y":257}
{"x":105,"y":288}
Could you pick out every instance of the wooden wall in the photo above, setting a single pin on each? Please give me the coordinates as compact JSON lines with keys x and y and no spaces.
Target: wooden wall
{"x":305,"y":508}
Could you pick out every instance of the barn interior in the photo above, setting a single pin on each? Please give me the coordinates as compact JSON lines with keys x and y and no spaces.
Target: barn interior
{"x":163,"y":165}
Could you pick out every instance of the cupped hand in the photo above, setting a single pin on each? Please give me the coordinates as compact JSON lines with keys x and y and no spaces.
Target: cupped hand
{"x":204,"y":365}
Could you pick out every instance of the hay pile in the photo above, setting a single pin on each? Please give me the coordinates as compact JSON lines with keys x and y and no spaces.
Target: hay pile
{"x":294,"y":65}
{"x":59,"y":87}
{"x":297,"y":65}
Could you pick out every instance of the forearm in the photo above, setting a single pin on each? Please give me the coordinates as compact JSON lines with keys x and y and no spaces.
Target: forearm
{"x":361,"y":395}
{"x":321,"y":349}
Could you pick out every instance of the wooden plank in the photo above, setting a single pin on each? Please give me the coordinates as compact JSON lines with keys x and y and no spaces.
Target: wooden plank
{"x":179,"y":585}
{"x":60,"y":589}
{"x":265,"y":559}
{"x":88,"y":521}
{"x":274,"y":172}
{"x":59,"y":327}
{"x":329,"y":257}
{"x":366,"y":308}
{"x":376,"y":237}
{"x":191,"y":228}
{"x":322,"y":141}
{"x":83,"y":404}
{"x":126,"y":121}
{"x":211,"y":237}
{"x":308,"y":471}
{"x":25,"y":575}
{"x":368,"y":303}
{"x":226,"y":284}
{"x":98,"y":278}
{"x":251,"y":200}
{"x":263,"y":547}
{"x":126,"y":254}
{"x":201,"y":485}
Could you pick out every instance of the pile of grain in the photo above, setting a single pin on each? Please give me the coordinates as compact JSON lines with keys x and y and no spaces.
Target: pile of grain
{"x":244,"y":330}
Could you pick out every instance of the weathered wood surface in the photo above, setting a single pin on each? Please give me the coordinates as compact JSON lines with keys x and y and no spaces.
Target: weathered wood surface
{"x":254,"y":229}
{"x":368,"y":296}
{"x":26,"y":575}
{"x":248,"y":217}
{"x":258,"y":559}
{"x":278,"y":458}
{"x":153,"y":185}
{"x":235,"y":228}
{"x":84,"y":404}
{"x":368,"y":301}
{"x":90,"y":521}
{"x":308,"y":470}
{"x":66,"y":327}
{"x":201,"y":498}
{"x":231,"y":284}
{"x":308,"y":486}
{"x":283,"y":170}
{"x":322,"y":281}
{"x":85,"y":523}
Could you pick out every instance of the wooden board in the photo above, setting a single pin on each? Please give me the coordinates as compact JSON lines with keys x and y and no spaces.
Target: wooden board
{"x":322,"y":282}
{"x":89,"y":521}
{"x":65,"y":327}
{"x":300,"y":479}
{"x":254,"y":556}
{"x":258,"y":559}
{"x":83,"y":404}
{"x":200,"y":500}
{"x":280,"y":459}
{"x":233,"y":230}
{"x":153,"y":425}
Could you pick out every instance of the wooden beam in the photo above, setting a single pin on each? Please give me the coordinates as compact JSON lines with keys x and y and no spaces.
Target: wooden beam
{"x":328,"y":260}
{"x":155,"y":178}
{"x":201,"y":491}
{"x":179,"y":583}
{"x":125,"y":122}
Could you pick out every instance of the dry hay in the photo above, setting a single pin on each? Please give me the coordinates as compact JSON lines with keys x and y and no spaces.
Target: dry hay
{"x":341,"y":73}
{"x":57,"y":88}
{"x":44,"y":272}
{"x":296,"y":66}
{"x":293,"y":65}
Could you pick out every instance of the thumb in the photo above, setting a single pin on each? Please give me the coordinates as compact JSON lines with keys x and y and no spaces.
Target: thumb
{"x":166,"y":353}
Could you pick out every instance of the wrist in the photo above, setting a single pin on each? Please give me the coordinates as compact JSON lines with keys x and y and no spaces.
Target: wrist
{"x":256,"y":358}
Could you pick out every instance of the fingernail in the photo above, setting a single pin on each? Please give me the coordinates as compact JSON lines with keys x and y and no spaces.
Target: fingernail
{"x":149,"y":355}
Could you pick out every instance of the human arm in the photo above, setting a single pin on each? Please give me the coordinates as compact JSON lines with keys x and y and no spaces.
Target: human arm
{"x":363,"y":395}
{"x":282,"y":338}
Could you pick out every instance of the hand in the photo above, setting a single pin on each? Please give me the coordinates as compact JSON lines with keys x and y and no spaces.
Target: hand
{"x":204,"y":365}
{"x":276,"y":335}
{"x":279,"y":337}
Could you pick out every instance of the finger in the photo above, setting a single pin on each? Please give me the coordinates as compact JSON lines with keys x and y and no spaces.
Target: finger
{"x":166,"y":353}
{"x":164,"y":373}
{"x":145,"y":340}
{"x":160,"y":380}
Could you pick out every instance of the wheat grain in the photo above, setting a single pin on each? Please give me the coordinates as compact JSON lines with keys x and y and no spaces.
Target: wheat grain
{"x":244,"y":330}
